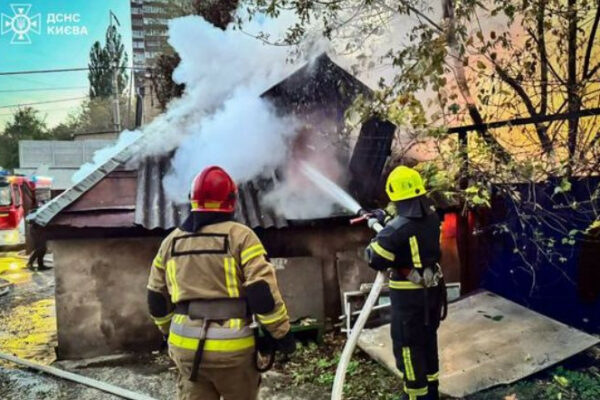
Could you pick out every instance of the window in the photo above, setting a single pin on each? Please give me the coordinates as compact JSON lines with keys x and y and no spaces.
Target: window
{"x":153,"y":10}
{"x":5,"y":198}
{"x":17,"y":192}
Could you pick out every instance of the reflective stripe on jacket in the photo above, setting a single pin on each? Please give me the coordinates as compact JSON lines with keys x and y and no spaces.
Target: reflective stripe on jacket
{"x":216,"y":262}
{"x":406,"y":243}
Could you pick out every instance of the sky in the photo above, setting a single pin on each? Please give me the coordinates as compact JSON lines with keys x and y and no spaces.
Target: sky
{"x":50,"y":49}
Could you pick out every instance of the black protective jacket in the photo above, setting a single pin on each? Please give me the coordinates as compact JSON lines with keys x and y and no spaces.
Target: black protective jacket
{"x":408,"y":242}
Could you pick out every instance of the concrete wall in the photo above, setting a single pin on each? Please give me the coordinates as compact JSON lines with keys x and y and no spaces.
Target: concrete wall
{"x":101,"y":286}
{"x":301,"y":286}
{"x":322,"y":243}
{"x":101,"y":296}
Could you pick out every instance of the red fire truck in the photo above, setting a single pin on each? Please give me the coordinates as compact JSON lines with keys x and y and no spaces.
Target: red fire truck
{"x":18,"y":196}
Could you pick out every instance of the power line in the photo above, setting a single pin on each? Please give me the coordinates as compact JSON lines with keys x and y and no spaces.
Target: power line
{"x":44,"y":71}
{"x":41,"y":110}
{"x":43,"y":89}
{"x":51,"y":71}
{"x":43,"y":102}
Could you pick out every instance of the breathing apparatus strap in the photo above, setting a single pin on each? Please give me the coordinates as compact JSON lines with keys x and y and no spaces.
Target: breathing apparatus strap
{"x":199,"y":352}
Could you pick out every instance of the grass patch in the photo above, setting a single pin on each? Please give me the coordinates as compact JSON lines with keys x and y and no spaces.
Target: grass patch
{"x":316,"y":365}
{"x":560,"y":383}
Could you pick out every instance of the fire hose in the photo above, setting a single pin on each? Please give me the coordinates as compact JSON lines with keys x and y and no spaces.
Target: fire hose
{"x":340,"y":373}
{"x":332,"y":190}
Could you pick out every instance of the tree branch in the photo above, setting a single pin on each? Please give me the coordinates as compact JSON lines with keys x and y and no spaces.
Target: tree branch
{"x":463,"y":85}
{"x":588,"y":52}
{"x":414,"y":10}
{"x":550,"y":66}
{"x":543,"y":57}
{"x":572,"y":96}
{"x":541,"y":130}
{"x":592,"y":71}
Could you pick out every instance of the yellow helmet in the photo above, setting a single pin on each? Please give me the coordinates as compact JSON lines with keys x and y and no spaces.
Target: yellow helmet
{"x":404,"y":183}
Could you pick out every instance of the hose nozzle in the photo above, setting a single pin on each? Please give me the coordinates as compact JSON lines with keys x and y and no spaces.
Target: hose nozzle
{"x":363,"y":215}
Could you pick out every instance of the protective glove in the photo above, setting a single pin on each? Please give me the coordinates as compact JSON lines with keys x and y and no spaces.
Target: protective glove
{"x":380,"y":215}
{"x":165,"y":343}
{"x":286,"y":344}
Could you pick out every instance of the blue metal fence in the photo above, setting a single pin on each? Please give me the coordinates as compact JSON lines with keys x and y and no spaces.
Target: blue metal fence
{"x":555,"y":287}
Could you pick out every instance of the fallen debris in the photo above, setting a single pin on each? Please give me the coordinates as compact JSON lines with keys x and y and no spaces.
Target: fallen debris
{"x":5,"y":287}
{"x":105,"y":387}
{"x":488,"y":341}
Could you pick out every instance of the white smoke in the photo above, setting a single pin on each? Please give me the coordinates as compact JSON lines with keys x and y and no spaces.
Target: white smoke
{"x":221,"y":118}
{"x":244,"y":137}
{"x":216,"y":66}
{"x":126,"y":138}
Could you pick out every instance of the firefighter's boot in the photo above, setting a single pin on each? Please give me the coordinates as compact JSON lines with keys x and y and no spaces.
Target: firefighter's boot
{"x":406,"y":396}
{"x":433,"y":392}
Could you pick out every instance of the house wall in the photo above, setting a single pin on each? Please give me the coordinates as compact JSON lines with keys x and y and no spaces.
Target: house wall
{"x":101,"y":286}
{"x":101,"y":296}
{"x":322,"y":242}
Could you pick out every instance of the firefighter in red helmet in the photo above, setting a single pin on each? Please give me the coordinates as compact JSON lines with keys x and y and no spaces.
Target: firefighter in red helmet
{"x":210,"y":277}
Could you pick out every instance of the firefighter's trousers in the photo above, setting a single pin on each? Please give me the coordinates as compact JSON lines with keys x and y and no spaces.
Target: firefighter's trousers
{"x":415,"y":339}
{"x":239,"y":382}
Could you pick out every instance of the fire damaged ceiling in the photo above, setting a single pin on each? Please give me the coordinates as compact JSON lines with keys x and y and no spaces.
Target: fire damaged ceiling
{"x":319,"y":87}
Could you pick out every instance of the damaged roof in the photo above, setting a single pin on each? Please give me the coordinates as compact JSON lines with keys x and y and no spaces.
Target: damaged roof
{"x":154,"y":210}
{"x":321,"y":85}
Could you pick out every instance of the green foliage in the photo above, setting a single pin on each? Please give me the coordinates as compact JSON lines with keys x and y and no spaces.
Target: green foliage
{"x":316,"y":365}
{"x":95,"y":115}
{"x":26,"y":124}
{"x":103,"y":63}
{"x":559,"y":384}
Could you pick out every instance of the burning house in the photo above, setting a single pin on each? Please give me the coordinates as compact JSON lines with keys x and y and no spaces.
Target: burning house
{"x":105,"y":230}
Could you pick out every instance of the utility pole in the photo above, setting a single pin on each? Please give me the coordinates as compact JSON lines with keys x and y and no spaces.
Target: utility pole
{"x":115,"y":70}
{"x":116,"y":108}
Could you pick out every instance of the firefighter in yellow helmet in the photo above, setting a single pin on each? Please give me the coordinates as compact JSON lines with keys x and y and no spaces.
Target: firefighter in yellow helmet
{"x":210,"y":276}
{"x":409,"y":247}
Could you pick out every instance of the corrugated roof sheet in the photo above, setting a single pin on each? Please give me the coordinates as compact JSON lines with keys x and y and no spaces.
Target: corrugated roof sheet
{"x":155,"y":211}
{"x":48,"y":211}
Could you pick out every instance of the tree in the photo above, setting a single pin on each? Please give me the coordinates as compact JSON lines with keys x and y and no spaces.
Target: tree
{"x":94,"y":116}
{"x":99,"y":75}
{"x":26,"y":124}
{"x":481,"y":62}
{"x":219,"y":13}
{"x":103,"y":63}
{"x":162,"y":82}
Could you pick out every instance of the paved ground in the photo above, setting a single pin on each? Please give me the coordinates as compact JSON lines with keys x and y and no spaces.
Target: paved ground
{"x":28,"y":330}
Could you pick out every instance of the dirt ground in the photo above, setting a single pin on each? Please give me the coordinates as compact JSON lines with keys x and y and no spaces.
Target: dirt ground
{"x":28,"y":330}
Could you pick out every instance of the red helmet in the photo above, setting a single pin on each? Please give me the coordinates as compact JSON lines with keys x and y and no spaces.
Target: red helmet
{"x":213,"y":190}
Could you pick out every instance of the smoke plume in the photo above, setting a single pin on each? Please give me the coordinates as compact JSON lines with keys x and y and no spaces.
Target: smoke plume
{"x":221,"y":118}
